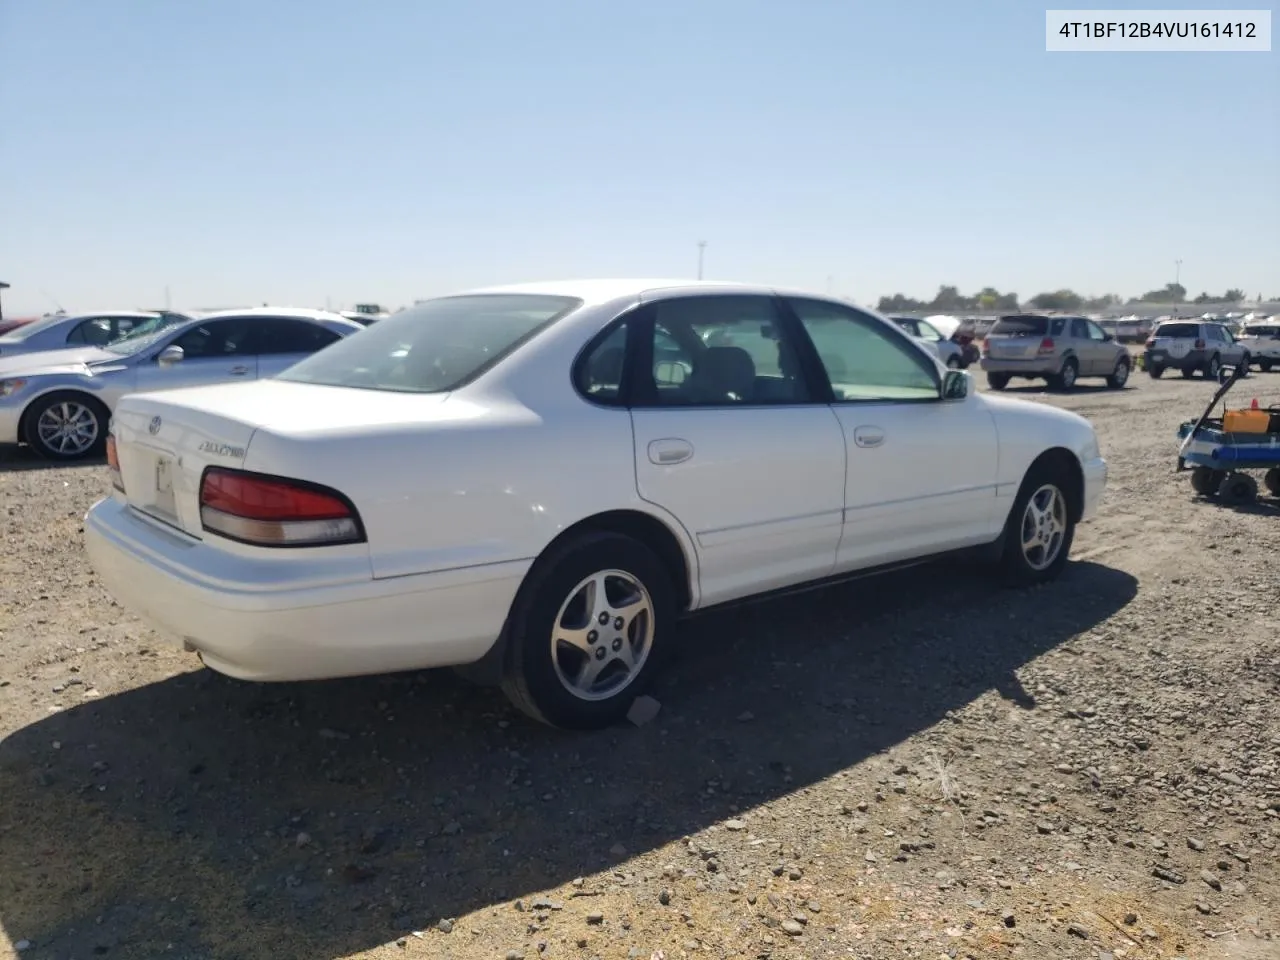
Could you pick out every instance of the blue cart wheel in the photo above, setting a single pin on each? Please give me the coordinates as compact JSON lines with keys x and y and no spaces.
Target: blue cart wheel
{"x":1238,"y":488}
{"x":1206,"y":480}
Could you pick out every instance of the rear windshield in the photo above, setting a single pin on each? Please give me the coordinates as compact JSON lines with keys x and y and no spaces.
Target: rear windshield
{"x":1021,"y":327}
{"x":435,"y":346}
{"x":1189,"y":331}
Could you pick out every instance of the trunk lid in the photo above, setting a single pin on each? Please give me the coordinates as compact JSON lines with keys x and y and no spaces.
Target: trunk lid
{"x":1176,"y":339}
{"x":166,"y":439}
{"x":1017,"y":337}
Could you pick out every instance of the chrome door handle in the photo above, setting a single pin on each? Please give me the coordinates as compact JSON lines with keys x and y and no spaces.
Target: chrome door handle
{"x":868,"y":436}
{"x":664,"y":453}
{"x":238,"y":371}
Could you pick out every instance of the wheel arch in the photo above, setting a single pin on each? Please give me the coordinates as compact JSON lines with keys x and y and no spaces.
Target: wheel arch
{"x":659,"y":535}
{"x":1063,"y":461}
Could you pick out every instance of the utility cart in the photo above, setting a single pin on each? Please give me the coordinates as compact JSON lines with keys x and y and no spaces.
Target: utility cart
{"x":1219,"y":450}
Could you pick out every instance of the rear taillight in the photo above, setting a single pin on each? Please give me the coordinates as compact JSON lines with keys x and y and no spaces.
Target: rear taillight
{"x":1199,"y":344}
{"x":986,"y":346}
{"x":1151,"y":341}
{"x":1046,"y":345}
{"x":275,"y":512}
{"x":113,"y":464}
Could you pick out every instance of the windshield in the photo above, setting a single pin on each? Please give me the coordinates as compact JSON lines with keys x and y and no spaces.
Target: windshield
{"x":1021,"y":327}
{"x":435,"y":346}
{"x":27,"y":329}
{"x":142,"y":336}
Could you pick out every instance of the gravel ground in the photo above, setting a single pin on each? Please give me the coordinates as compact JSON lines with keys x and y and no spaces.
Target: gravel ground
{"x":923,"y":765}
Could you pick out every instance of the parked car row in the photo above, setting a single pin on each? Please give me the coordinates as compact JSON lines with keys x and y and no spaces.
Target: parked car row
{"x":417,"y":494}
{"x":59,"y":401}
{"x":1062,"y":349}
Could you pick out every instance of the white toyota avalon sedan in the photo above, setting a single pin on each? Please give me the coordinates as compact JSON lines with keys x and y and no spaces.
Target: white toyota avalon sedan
{"x":536,"y":482}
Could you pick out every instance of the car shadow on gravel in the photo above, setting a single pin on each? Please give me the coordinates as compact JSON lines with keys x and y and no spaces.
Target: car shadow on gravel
{"x":14,"y":459}
{"x":202,"y":817}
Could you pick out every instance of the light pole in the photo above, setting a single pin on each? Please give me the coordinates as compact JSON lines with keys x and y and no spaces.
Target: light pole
{"x":702,"y":249}
{"x":1177,"y":273}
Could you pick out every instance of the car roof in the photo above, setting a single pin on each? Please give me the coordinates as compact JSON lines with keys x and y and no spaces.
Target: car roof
{"x":592,"y":292}
{"x":90,"y":314}
{"x":299,"y":313}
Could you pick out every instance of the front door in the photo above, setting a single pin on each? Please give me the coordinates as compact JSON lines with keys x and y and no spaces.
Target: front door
{"x":921,"y":471}
{"x":730,"y":439}
{"x":220,"y":351}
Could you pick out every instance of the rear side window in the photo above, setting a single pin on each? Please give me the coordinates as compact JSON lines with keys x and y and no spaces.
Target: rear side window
{"x":1179,"y":331}
{"x":435,"y":346}
{"x":290,"y":335}
{"x":1021,"y":327}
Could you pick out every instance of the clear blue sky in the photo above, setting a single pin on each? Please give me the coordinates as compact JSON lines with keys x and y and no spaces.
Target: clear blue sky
{"x":292,"y":150}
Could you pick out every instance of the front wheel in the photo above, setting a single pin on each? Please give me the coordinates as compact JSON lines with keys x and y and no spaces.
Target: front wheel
{"x":1155,"y":373}
{"x":587,"y":631}
{"x":1040,"y":529}
{"x":1120,"y":375}
{"x":1264,"y":364}
{"x":1212,"y":368}
{"x":67,"y":426}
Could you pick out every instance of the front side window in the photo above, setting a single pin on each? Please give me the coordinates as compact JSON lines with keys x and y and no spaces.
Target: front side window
{"x":434,"y":346}
{"x":1095,"y":331}
{"x":721,"y":351}
{"x":863,"y":358}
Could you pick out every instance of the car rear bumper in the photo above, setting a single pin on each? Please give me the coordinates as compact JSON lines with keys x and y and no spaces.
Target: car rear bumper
{"x":291,"y":630}
{"x":1194,"y":360}
{"x":1095,"y":484}
{"x":1034,"y":367}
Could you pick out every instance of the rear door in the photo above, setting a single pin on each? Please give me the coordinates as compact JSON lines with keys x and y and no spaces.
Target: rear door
{"x":731,"y":440}
{"x":219,"y":351}
{"x":283,"y":341}
{"x":921,"y":476}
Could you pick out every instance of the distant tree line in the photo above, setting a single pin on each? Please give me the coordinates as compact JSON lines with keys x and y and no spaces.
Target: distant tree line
{"x":950,"y":300}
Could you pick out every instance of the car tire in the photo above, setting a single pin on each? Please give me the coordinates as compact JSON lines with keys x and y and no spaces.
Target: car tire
{"x":1155,"y":373}
{"x":953,"y":362}
{"x":545,"y":673}
{"x":66,"y":426}
{"x":1065,"y":379}
{"x":1271,"y":480}
{"x":1238,"y":488}
{"x":1120,"y":376}
{"x":1264,"y":364}
{"x":1206,"y":480}
{"x":1213,"y":368}
{"x":997,"y":381}
{"x":1045,"y":486}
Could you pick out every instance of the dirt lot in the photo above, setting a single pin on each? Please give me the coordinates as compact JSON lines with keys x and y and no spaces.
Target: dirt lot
{"x":923,"y":765}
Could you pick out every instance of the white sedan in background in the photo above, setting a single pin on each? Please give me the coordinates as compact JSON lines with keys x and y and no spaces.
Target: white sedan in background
{"x":537,"y":481}
{"x":59,"y":402}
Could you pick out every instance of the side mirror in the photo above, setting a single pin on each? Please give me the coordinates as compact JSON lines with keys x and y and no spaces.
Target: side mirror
{"x":170,"y":355}
{"x":955,"y":385}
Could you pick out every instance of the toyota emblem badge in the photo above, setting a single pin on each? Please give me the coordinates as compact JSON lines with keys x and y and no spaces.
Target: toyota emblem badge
{"x":154,"y":428}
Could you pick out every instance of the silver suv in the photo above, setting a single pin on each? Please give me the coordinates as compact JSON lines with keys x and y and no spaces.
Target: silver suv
{"x":1057,"y":349}
{"x":1191,"y":345}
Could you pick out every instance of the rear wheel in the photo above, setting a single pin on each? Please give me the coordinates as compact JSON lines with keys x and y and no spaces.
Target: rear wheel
{"x":1120,"y":375}
{"x":997,"y":381}
{"x":67,"y":426}
{"x":1271,"y":480}
{"x":1155,"y":373}
{"x":1066,"y":377}
{"x":1264,"y":364}
{"x":1238,"y":488}
{"x":1040,"y":528}
{"x":587,"y":631}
